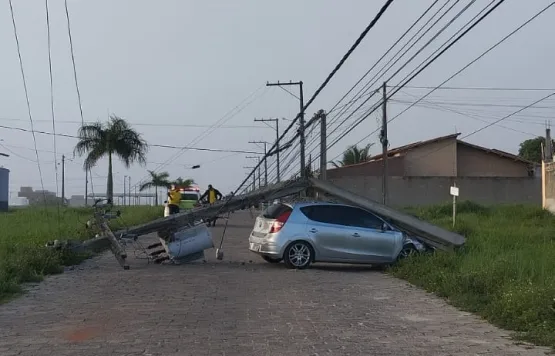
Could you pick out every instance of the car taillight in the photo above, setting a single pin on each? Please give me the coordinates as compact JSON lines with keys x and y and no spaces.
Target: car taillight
{"x":279,"y":222}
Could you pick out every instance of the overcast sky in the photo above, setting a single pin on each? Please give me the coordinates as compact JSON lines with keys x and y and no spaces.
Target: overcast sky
{"x":173,"y":68}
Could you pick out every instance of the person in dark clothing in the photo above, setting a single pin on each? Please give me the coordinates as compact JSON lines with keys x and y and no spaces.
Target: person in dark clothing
{"x":211,"y":194}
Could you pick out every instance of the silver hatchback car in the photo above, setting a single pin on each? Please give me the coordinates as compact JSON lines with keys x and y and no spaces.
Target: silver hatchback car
{"x":303,"y":233}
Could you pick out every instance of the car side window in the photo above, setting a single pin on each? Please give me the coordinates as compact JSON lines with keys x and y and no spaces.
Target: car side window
{"x":364,"y":219}
{"x":322,"y":213}
{"x":339,"y":215}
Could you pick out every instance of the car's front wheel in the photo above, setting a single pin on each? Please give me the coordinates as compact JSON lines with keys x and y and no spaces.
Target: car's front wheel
{"x":298,"y":255}
{"x":407,"y":251}
{"x":271,"y":259}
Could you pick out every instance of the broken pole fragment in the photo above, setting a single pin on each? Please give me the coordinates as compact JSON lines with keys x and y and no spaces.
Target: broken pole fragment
{"x":115,"y":246}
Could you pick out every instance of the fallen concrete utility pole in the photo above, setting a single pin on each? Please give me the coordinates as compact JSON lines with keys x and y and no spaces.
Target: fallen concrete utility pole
{"x":269,"y":193}
{"x":431,"y":234}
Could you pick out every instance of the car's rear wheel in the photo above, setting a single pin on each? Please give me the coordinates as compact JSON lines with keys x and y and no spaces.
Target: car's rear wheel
{"x":298,"y":255}
{"x":272,"y":260}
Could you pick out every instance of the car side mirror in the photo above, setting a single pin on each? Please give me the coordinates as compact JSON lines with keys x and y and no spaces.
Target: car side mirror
{"x":385,"y":227}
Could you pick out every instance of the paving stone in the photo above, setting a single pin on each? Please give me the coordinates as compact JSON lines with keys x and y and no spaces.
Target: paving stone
{"x":239,"y":306}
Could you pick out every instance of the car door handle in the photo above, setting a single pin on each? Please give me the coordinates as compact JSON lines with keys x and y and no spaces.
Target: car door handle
{"x":313,"y":230}
{"x":356,"y":234}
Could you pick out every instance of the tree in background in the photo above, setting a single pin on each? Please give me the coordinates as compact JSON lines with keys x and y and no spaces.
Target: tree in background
{"x":115,"y":137}
{"x":183,"y":183}
{"x":531,"y":149}
{"x":354,"y":155}
{"x":157,"y":180}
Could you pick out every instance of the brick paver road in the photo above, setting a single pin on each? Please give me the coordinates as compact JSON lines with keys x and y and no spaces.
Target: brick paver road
{"x":238,"y":307}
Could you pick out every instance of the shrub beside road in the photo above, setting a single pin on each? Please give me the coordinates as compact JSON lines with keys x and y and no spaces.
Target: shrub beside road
{"x":505,"y":272}
{"x":25,"y":231}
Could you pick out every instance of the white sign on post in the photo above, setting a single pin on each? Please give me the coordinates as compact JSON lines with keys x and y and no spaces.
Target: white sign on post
{"x":455,"y":193}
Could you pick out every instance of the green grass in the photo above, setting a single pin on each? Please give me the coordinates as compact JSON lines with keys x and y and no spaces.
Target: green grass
{"x":504,"y":273}
{"x":24,"y":232}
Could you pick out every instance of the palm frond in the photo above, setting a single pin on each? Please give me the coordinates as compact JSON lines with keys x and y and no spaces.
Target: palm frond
{"x":90,"y":136}
{"x":146,"y":186}
{"x":94,"y":156}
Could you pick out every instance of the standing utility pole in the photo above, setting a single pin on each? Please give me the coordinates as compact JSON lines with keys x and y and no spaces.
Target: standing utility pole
{"x":265,"y":160}
{"x":86,"y":187}
{"x":276,"y":121}
{"x":63,"y":180}
{"x":323,"y":145}
{"x":124,"y":190}
{"x":548,"y":145}
{"x":385,"y":142}
{"x":259,"y":174}
{"x":301,"y":117}
{"x":253,"y":178}
{"x":129,"y":190}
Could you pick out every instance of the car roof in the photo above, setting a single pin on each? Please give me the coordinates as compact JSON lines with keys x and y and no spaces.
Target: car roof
{"x":315,"y":203}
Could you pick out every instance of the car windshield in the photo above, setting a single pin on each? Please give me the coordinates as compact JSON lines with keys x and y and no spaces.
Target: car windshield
{"x":189,"y":196}
{"x":275,"y":210}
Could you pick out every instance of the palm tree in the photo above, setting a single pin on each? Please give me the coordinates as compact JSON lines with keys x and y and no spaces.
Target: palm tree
{"x":157,"y":180}
{"x":183,"y":182}
{"x":115,"y":137}
{"x":354,"y":155}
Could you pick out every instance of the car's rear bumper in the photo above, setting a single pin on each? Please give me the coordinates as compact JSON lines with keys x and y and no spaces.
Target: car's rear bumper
{"x":263,"y":246}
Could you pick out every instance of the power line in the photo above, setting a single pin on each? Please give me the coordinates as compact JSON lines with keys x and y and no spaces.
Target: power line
{"x":474,"y":117}
{"x":152,"y":145}
{"x":492,"y":123}
{"x":303,"y":109}
{"x":16,"y":37}
{"x":395,"y":58}
{"x":70,"y":37}
{"x":486,"y":105}
{"x":478,"y":88}
{"x":152,"y":124}
{"x":382,"y":57}
{"x":375,"y":78}
{"x":330,"y":76}
{"x":475,"y":59}
{"x":49,"y":45}
{"x":350,"y":51}
{"x":511,"y":114}
{"x":227,"y":116}
{"x":449,"y":23}
{"x":399,"y":87}
{"x":206,"y":149}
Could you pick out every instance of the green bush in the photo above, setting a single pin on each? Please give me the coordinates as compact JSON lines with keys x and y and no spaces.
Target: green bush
{"x":25,"y":231}
{"x":505,"y":272}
